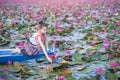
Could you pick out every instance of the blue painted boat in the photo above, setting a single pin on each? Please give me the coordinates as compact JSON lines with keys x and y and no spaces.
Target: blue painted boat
{"x":6,"y":55}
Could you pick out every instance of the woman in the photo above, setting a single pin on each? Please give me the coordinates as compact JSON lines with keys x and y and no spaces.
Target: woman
{"x":37,"y":41}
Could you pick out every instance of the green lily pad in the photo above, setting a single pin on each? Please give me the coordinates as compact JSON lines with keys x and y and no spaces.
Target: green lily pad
{"x":97,"y":46}
{"x":111,"y":25}
{"x":104,"y":57}
{"x":70,"y":78}
{"x":111,"y":76}
{"x":93,"y":78}
{"x":7,"y":76}
{"x":86,"y":70}
{"x":55,"y":65}
{"x":37,"y":77}
{"x":15,"y":70}
{"x":50,"y":78}
{"x":77,"y":57}
{"x":20,"y":36}
{"x":95,"y":57}
{"x":31,"y":72}
{"x":81,"y":79}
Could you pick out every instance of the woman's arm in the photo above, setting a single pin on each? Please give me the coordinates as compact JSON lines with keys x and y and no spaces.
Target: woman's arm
{"x":43,"y":48}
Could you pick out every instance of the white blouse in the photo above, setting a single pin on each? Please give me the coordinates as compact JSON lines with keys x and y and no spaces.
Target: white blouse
{"x":32,"y":39}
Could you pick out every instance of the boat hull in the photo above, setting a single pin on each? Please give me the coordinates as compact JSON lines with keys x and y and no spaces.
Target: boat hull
{"x":7,"y":55}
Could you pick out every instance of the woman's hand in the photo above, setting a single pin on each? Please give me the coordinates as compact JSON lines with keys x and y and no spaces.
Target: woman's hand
{"x":49,"y":68}
{"x":49,"y":59}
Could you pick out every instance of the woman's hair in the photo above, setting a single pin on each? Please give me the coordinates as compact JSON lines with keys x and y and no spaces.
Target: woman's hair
{"x":41,"y":24}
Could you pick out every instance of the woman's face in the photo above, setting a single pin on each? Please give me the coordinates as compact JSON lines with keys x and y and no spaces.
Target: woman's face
{"x":44,"y":29}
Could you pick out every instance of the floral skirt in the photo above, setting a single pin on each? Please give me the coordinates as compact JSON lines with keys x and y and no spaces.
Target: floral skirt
{"x":30,"y":49}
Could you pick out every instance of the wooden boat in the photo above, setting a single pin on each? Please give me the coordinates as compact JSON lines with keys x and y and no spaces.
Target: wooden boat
{"x":7,"y":55}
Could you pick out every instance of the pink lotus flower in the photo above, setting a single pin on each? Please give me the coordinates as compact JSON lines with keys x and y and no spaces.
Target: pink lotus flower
{"x":58,"y":24}
{"x":119,"y":47}
{"x":27,"y":11}
{"x":6,"y":69}
{"x":116,"y":31}
{"x":2,"y":79}
{"x":82,"y":14}
{"x":22,"y":11}
{"x":27,"y":16}
{"x":100,"y":70}
{"x":15,"y":23}
{"x":105,"y":28}
{"x":95,"y":16}
{"x":70,"y":38}
{"x":62,"y":17}
{"x":56,"y":45}
{"x":107,"y":20}
{"x":34,"y":15}
{"x":118,"y":23}
{"x":109,"y":56}
{"x":106,"y":42}
{"x":103,"y":14}
{"x":60,"y":29}
{"x":26,"y":22}
{"x":103,"y":33}
{"x":26,"y":34}
{"x":61,"y":78}
{"x":96,"y":34}
{"x":105,"y":46}
{"x":12,"y":37}
{"x":9,"y":62}
{"x":54,"y":38}
{"x":92,"y":42}
{"x":81,"y":23}
{"x":16,"y":18}
{"x":115,"y":43}
{"x":89,"y":53}
{"x":41,"y":13}
{"x":1,"y":27}
{"x":20,"y":45}
{"x":77,"y":14}
{"x":114,"y":64}
{"x":68,"y":52}
{"x":75,"y":19}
